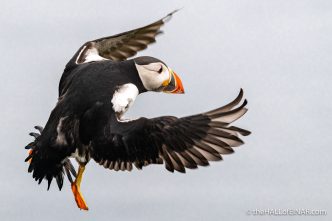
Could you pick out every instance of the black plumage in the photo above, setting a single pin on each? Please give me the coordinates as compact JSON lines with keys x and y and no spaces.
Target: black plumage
{"x":179,"y":142}
{"x":85,"y":125}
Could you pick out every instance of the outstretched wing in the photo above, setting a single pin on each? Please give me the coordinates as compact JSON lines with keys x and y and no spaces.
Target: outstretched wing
{"x":181,"y":143}
{"x":121,"y":46}
{"x":116,"y":48}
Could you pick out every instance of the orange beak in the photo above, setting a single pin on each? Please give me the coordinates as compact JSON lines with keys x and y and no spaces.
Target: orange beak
{"x":174,"y":84}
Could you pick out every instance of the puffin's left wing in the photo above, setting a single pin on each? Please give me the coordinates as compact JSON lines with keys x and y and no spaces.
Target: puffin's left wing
{"x":179,"y":142}
{"x":121,"y":46}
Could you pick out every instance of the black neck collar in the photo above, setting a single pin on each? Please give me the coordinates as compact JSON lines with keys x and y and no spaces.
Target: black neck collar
{"x":129,"y":69}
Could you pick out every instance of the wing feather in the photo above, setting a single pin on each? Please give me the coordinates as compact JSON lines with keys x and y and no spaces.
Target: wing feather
{"x":116,"y":47}
{"x":180,"y":143}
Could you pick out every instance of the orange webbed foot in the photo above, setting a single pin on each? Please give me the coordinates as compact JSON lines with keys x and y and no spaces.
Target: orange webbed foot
{"x":78,"y":197}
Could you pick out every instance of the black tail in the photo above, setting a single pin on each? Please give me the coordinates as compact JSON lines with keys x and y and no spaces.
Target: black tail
{"x":47,"y":163}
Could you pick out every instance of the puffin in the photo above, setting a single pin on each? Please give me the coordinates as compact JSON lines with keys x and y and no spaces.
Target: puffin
{"x":98,"y":85}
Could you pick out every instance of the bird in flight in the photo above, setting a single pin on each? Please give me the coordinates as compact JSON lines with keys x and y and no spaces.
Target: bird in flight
{"x":98,"y":85}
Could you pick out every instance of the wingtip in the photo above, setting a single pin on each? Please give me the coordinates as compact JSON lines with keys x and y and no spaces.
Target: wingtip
{"x":169,"y":15}
{"x":176,"y":10}
{"x":241,"y":92}
{"x":35,"y":135}
{"x":49,"y":181}
{"x":39,"y":128}
{"x":245,"y":102}
{"x":247,"y":133}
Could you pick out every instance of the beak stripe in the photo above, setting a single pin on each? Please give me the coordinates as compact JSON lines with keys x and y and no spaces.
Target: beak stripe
{"x":174,"y":84}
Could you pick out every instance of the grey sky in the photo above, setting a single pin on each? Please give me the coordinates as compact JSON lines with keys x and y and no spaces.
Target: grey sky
{"x":279,"y":52}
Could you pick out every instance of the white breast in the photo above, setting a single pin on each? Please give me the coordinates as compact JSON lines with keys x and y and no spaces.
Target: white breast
{"x":124,"y":97}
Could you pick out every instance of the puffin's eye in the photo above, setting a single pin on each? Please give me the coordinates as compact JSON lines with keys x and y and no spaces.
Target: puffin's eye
{"x":160,"y":70}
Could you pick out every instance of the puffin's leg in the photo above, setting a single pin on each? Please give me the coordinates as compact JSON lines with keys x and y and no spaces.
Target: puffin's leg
{"x":75,"y":187}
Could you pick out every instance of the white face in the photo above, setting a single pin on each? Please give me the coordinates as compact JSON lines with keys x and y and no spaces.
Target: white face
{"x":154,"y":75}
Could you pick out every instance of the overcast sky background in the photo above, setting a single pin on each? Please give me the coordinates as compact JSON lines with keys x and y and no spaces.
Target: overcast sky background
{"x":278,"y":51}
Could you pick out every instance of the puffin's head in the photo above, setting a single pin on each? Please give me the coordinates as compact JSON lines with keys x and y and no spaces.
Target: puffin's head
{"x":156,"y":76}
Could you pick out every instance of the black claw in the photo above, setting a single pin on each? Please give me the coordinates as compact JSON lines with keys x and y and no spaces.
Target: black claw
{"x":29,"y":147}
{"x":28,"y":158}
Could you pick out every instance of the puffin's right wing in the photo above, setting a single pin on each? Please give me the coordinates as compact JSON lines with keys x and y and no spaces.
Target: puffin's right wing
{"x":179,"y":142}
{"x":121,"y":46}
